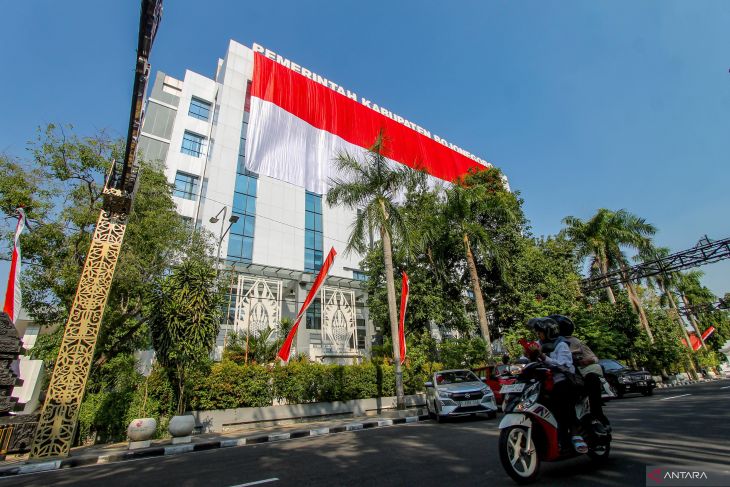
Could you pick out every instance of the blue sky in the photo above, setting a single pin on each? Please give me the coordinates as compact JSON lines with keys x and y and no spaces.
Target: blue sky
{"x":615,"y":104}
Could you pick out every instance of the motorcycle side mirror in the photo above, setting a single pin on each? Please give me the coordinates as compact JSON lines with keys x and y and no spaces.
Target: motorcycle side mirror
{"x":428,"y":384}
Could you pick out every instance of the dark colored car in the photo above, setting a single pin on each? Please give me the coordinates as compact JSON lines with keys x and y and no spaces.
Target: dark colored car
{"x":625,"y":380}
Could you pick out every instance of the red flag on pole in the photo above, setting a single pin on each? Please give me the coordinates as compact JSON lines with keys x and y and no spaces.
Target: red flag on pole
{"x":285,"y":349}
{"x":405,"y":289}
{"x":12,"y":293}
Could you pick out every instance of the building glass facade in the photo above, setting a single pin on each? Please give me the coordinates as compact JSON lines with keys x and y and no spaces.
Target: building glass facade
{"x":314,"y":315}
{"x":240,"y":241}
{"x":313,"y":237}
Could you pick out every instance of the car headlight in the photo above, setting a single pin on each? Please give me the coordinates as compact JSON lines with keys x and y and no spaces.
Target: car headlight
{"x":623,"y":380}
{"x":487,"y":391}
{"x":445,"y":394}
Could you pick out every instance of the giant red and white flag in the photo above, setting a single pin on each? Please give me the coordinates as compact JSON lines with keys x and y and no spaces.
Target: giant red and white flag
{"x":405,"y":290}
{"x":297,"y":127}
{"x":285,"y":350}
{"x":13,"y":300}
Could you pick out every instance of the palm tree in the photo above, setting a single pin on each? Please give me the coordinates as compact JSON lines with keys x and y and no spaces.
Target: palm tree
{"x":478,"y":197}
{"x":666,"y":283}
{"x":602,"y":237}
{"x":693,"y":293}
{"x":371,"y":186}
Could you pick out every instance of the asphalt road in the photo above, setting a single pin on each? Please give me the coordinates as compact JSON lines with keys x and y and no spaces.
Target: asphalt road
{"x":678,"y":426}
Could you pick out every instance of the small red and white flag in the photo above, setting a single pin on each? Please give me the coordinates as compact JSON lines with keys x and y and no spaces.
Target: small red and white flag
{"x":285,"y":349}
{"x":405,"y":289}
{"x":13,"y":299}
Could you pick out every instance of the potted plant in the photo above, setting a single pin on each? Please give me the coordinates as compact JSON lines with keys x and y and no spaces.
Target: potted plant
{"x":141,"y":429}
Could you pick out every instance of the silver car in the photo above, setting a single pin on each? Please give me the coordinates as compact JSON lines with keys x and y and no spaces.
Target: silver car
{"x":458,"y":393}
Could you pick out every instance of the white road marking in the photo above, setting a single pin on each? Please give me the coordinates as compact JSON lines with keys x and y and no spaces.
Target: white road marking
{"x":674,"y":397}
{"x":726,"y":387}
{"x":257,"y":482}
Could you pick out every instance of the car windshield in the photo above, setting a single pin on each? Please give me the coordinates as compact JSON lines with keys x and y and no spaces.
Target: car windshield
{"x":611,"y":365}
{"x":455,"y":377}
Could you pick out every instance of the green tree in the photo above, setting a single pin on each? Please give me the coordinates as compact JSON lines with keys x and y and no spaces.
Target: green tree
{"x":184,"y":314}
{"x":478,"y":209}
{"x":544,"y":280}
{"x":258,"y":347}
{"x":666,"y":284}
{"x":694,"y":296}
{"x":371,"y":185}
{"x":60,"y":185}
{"x":602,"y":238}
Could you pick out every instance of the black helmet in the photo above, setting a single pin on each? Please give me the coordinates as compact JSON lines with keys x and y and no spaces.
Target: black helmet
{"x":567,"y":327}
{"x":545,"y":325}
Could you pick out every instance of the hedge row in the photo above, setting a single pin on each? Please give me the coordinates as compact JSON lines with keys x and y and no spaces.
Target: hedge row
{"x":232,"y":385}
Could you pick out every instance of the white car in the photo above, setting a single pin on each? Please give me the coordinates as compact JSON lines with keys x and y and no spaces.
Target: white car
{"x":458,"y":393}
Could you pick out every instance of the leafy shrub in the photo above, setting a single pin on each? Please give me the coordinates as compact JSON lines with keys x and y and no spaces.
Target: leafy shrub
{"x":359,"y":381}
{"x":301,"y":382}
{"x":106,"y":404}
{"x":229,"y":385}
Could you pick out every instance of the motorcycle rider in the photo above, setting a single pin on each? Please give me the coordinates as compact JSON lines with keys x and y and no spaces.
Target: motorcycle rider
{"x":555,"y":352}
{"x":587,"y":364}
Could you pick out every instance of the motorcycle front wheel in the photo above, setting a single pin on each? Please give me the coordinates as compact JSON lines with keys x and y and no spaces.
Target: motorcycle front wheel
{"x":600,"y":453}
{"x":521,"y":464}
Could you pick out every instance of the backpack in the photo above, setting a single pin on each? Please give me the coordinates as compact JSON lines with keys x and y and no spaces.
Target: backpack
{"x":582,"y":355}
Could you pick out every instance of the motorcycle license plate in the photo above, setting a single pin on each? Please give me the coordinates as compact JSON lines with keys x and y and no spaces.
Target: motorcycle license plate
{"x":511,"y":388}
{"x":473,"y":402}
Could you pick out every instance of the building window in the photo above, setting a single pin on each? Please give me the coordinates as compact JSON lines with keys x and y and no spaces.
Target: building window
{"x":313,"y":232}
{"x":192,"y":144}
{"x":359,"y":276}
{"x":240,"y":242}
{"x":361,"y":332}
{"x":314,"y":315}
{"x":199,"y":109}
{"x":186,"y":186}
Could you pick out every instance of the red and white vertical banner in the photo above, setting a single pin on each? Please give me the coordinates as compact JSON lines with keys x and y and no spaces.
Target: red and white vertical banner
{"x":13,"y":299}
{"x":285,"y":349}
{"x":405,"y":289}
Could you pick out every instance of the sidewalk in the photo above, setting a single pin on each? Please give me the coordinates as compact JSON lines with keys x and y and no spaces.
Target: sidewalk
{"x":119,"y":452}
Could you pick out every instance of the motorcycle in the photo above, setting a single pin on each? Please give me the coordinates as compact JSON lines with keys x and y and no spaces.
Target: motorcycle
{"x":529,"y":430}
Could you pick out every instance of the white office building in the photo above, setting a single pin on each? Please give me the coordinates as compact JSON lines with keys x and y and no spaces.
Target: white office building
{"x":283,"y":228}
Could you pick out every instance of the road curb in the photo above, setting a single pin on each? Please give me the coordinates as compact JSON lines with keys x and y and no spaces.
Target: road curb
{"x":684,"y":383}
{"x":168,"y":450}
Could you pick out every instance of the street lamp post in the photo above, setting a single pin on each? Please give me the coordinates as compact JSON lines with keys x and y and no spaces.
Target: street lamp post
{"x":215,"y":219}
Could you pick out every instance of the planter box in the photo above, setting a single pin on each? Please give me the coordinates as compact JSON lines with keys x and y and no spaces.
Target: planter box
{"x":220,"y":420}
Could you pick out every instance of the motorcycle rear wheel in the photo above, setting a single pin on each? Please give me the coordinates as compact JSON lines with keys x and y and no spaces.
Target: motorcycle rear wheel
{"x":522,"y":467}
